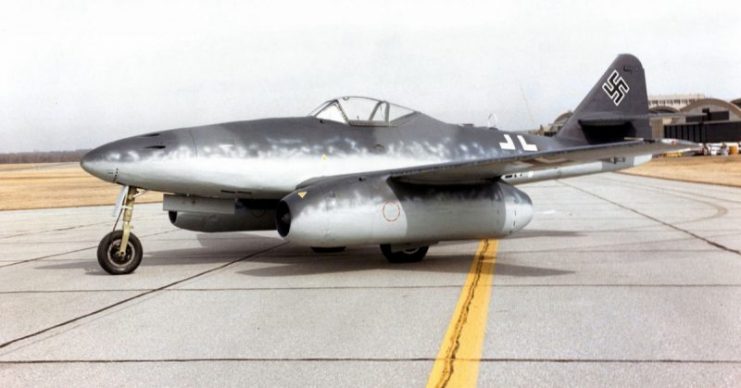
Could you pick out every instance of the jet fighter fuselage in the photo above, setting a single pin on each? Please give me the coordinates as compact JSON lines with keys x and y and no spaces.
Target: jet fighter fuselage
{"x":359,"y":171}
{"x":268,"y":159}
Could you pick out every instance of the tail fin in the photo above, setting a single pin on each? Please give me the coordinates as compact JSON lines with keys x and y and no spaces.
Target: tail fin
{"x":615,"y":108}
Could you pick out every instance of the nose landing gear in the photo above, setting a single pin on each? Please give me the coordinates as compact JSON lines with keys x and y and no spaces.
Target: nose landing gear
{"x":120,"y":252}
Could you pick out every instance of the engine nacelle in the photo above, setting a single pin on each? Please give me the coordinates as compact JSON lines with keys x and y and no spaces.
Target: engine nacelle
{"x":362,"y":211}
{"x":219,"y":215}
{"x":204,"y":222}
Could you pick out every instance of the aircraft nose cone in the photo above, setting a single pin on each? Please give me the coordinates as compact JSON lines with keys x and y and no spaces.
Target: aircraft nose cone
{"x":95,"y":164}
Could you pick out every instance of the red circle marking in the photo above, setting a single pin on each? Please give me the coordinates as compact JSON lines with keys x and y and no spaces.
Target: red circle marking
{"x":391,"y":211}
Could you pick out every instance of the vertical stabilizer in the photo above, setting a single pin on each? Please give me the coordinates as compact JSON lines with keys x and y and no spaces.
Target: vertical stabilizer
{"x":616,"y":108}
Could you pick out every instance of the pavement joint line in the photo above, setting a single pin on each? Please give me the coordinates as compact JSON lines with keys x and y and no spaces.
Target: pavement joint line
{"x":373,"y":359}
{"x":137,"y":296}
{"x":462,"y":345}
{"x":71,"y":291}
{"x":685,"y":192}
{"x":52,"y":230}
{"x":45,"y":257}
{"x":537,"y":285}
{"x":712,"y":243}
{"x":58,"y":229}
{"x":611,"y":250}
{"x":72,"y":251}
{"x":618,"y":285}
{"x":717,"y":184}
{"x":516,"y":252}
{"x":720,"y":211}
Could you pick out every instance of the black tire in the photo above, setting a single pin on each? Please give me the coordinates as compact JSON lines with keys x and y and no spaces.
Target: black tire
{"x":406,"y":256}
{"x":108,"y":254}
{"x":328,"y":250}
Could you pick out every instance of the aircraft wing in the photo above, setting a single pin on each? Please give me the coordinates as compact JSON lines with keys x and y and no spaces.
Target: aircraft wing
{"x":486,"y":169}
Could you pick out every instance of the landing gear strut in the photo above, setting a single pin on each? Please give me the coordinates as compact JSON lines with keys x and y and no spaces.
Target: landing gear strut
{"x":120,"y":252}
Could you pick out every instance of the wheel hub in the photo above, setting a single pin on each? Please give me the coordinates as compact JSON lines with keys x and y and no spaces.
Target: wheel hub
{"x":115,"y":256}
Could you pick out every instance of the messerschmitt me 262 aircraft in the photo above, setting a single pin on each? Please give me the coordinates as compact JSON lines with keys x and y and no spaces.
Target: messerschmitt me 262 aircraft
{"x":360,"y":171}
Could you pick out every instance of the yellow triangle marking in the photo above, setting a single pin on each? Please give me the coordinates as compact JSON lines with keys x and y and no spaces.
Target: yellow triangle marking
{"x":301,"y":194}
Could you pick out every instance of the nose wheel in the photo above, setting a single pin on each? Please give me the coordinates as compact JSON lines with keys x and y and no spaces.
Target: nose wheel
{"x":120,"y":251}
{"x":110,"y":257}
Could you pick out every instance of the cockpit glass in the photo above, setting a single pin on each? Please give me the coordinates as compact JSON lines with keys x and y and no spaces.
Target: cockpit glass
{"x":330,"y":111}
{"x":361,"y":111}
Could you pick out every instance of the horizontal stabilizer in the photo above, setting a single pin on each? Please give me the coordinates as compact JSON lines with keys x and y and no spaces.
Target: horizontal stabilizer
{"x":606,"y":119}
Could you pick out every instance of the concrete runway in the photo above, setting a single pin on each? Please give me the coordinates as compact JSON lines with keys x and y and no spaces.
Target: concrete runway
{"x":618,"y":281}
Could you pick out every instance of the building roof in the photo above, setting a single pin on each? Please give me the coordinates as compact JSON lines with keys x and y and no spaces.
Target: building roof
{"x":675,"y":101}
{"x":697,"y":107}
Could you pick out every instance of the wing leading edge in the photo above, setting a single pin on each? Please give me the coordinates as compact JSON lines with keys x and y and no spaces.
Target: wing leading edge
{"x":488,"y":169}
{"x":542,"y":165}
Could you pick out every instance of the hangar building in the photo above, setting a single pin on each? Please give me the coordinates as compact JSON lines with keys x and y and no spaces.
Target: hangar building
{"x":692,"y":117}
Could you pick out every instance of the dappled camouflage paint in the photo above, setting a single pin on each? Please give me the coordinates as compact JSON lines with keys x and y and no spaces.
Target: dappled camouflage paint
{"x":413,"y":178}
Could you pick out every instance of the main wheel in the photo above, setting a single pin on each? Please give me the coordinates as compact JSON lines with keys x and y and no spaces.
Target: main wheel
{"x":328,"y":250}
{"x":109,"y":258}
{"x":411,"y":255}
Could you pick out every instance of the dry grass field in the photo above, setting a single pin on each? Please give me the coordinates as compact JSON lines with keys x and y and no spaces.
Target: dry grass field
{"x":719,"y":170}
{"x":35,"y":186}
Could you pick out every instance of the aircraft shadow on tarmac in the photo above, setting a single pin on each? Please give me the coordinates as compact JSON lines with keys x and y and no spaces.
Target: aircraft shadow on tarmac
{"x":529,"y":233}
{"x":357,"y":260}
{"x":292,"y":260}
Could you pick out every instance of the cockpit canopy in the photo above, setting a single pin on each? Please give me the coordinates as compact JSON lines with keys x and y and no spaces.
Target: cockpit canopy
{"x":361,"y":111}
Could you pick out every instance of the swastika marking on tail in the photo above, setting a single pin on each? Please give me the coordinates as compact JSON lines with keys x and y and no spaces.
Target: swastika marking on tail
{"x":616,"y":87}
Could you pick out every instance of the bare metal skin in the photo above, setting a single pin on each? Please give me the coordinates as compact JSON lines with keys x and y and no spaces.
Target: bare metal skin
{"x":364,"y":171}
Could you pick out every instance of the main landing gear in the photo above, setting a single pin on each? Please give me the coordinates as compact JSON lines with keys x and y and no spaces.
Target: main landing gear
{"x":394,"y":254}
{"x":120,"y":252}
{"x":408,"y":255}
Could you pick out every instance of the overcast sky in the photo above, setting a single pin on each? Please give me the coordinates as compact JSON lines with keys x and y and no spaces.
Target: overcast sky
{"x":76,"y":74}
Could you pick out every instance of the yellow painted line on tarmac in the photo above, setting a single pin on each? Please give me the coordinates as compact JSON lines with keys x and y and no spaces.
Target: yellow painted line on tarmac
{"x":457,"y":363}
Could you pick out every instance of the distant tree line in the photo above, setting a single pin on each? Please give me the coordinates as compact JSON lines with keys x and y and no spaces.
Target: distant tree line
{"x":43,"y":157}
